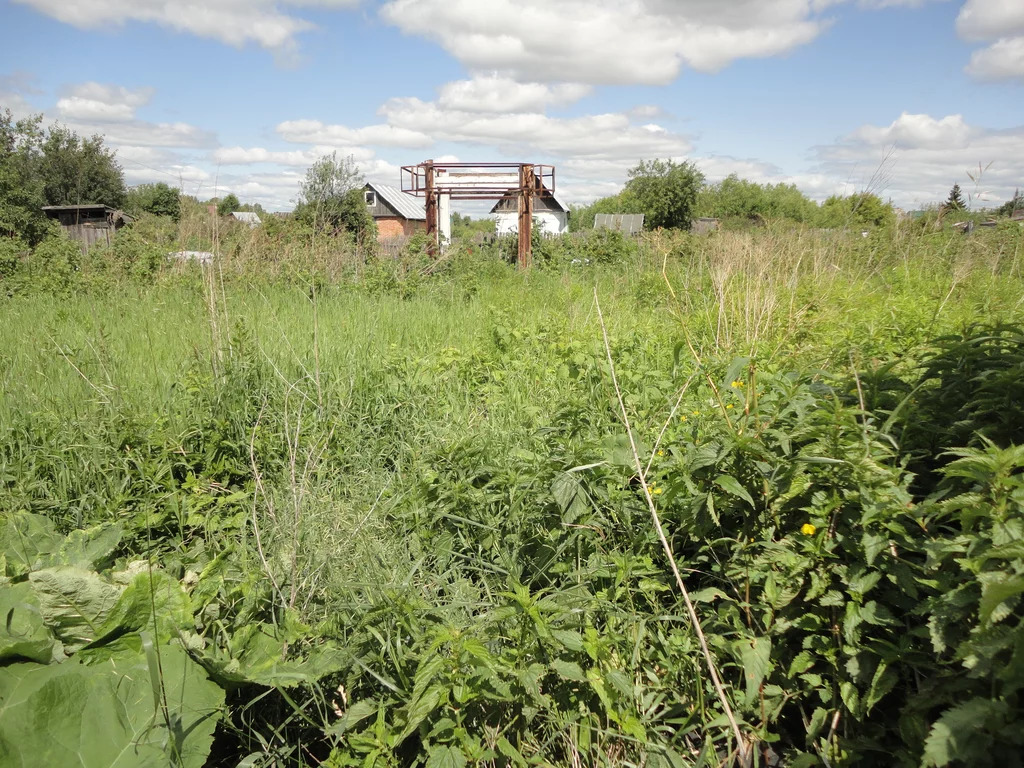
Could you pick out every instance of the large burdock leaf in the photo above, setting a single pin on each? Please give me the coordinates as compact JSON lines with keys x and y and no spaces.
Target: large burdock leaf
{"x":90,"y":548}
{"x":25,"y":539}
{"x":75,"y":603}
{"x":154,"y":602}
{"x":22,"y":632}
{"x":108,"y":715}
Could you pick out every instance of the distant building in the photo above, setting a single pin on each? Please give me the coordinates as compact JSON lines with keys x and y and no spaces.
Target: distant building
{"x":88,"y":224}
{"x":550,"y":211}
{"x":247,"y":217}
{"x":626,"y":223}
{"x":705,"y":224}
{"x":395,"y":213}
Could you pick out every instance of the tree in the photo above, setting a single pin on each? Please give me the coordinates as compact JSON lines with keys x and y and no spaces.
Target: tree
{"x":955,"y":201}
{"x":21,"y":186}
{"x":666,"y":192}
{"x":734,"y":197}
{"x":158,"y":199}
{"x":227,"y":204}
{"x":1016,"y":203}
{"x":331,"y":200}
{"x":862,"y":209}
{"x":77,"y":171}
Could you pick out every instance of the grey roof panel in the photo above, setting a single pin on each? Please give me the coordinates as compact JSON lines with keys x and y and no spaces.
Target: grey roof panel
{"x":408,"y":206}
{"x":630,"y":223}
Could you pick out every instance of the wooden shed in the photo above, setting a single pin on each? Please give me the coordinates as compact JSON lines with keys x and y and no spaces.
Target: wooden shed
{"x":88,"y":224}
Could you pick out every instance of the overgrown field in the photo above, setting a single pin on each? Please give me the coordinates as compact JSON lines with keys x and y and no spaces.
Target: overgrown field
{"x":310,"y":510}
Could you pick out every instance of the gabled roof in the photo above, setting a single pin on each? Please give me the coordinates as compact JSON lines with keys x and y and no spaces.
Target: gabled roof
{"x":407,"y":206}
{"x":94,"y":208}
{"x":247,"y":217}
{"x":559,"y":200}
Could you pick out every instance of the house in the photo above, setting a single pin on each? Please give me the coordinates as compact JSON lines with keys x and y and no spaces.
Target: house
{"x":395,"y":213}
{"x":246,"y":217}
{"x":550,"y":211}
{"x":88,"y":224}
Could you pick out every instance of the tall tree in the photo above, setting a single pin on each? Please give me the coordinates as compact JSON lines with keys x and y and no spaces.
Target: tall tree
{"x":79,"y":171}
{"x":330,"y":198}
{"x":955,"y":201}
{"x":159,"y":199}
{"x":228,"y":204}
{"x":666,"y":192}
{"x":21,"y":185}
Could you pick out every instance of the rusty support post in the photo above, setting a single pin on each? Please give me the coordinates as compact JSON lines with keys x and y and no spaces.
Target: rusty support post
{"x":433,"y":244}
{"x":526,"y":190}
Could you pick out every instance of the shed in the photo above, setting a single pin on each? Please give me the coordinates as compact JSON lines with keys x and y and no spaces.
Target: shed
{"x":705,"y":224}
{"x":88,"y":224}
{"x":247,"y":217}
{"x":549,"y":209}
{"x":627,"y":223}
{"x":395,"y":213}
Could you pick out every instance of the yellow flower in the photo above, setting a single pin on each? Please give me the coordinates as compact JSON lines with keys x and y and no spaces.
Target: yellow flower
{"x":807,"y":529}
{"x":661,"y":453}
{"x":696,"y":413}
{"x":682,"y":418}
{"x":657,"y":491}
{"x":728,"y":406}
{"x":736,"y":384}
{"x":654,"y":490}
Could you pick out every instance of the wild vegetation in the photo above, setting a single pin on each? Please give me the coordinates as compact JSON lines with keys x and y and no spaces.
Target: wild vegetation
{"x":754,"y":498}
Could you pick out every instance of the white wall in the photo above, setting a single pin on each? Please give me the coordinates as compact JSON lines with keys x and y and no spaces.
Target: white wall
{"x":549,"y":222}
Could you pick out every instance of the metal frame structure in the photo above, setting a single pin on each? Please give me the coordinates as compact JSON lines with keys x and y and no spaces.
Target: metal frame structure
{"x":441,"y":183}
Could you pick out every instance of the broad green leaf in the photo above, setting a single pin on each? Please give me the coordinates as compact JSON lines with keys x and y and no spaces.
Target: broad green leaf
{"x":257,"y":656}
{"x":959,"y":735}
{"x":25,"y":539}
{"x":103,"y":715}
{"x":993,"y":593}
{"x":148,"y":596}
{"x":568,"y":639}
{"x":23,"y":635}
{"x":446,"y":757}
{"x":89,"y":549}
{"x":74,"y":603}
{"x":570,"y":670}
{"x":420,"y":708}
{"x":506,"y":748}
{"x":755,"y":653}
{"x":884,"y":680}
{"x":355,"y":714}
{"x":731,"y":485}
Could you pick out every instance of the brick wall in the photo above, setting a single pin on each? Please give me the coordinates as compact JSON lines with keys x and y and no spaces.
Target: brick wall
{"x":390,"y":227}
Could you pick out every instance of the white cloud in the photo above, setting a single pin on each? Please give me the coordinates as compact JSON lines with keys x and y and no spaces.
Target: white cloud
{"x":1003,"y":60}
{"x":494,"y":93}
{"x":296,"y":158}
{"x":918,"y":131}
{"x":910,"y":161}
{"x":1001,"y":24}
{"x":607,"y":41}
{"x":316,"y":132}
{"x":235,"y":22}
{"x":102,"y":103}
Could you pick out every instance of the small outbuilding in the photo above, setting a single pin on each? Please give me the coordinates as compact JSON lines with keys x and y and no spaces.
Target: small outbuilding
{"x":88,"y":224}
{"x":249,"y":218}
{"x":395,"y":213}
{"x":549,"y":209}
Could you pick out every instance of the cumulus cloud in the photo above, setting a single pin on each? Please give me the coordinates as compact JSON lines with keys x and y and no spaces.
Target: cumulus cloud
{"x":316,"y":132}
{"x":1001,"y":24}
{"x":494,"y":93}
{"x":293,"y":158}
{"x":571,"y":41}
{"x":916,"y":165}
{"x":102,"y":103}
{"x":234,"y":22}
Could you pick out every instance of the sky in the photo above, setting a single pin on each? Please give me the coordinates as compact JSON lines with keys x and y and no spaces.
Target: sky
{"x":902,"y":98}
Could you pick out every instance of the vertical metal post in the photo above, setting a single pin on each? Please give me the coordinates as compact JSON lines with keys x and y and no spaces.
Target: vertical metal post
{"x":526,"y":190}
{"x":433,"y":246}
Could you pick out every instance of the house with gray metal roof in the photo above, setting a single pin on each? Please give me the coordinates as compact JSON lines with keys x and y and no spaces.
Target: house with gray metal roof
{"x":550,"y":210}
{"x":395,"y":213}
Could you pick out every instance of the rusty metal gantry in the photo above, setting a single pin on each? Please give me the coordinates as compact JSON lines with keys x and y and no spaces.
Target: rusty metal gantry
{"x":480,"y":181}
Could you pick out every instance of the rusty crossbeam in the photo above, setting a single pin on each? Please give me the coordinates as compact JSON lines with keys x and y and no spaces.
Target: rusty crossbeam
{"x":480,"y":181}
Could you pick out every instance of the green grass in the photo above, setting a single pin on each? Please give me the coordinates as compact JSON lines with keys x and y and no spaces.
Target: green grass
{"x":376,"y":467}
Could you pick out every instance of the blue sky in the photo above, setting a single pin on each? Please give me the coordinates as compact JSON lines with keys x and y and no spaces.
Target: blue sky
{"x":903,"y":97}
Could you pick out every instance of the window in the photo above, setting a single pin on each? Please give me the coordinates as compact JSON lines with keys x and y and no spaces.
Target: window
{"x":371,"y":197}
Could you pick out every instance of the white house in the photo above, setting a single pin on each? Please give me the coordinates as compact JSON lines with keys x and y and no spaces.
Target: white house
{"x":550,"y":212}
